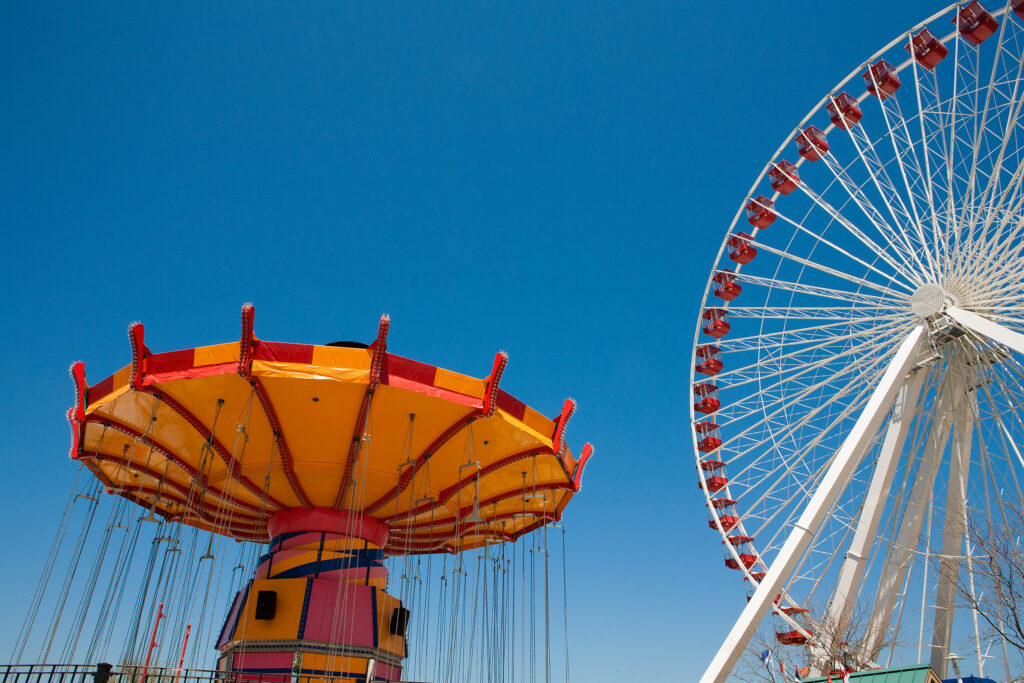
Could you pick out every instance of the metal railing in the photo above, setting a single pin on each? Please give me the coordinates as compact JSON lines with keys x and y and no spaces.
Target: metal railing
{"x":105,"y":673}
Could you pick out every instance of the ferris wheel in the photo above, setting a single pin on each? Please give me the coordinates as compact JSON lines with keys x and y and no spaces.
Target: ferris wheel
{"x":858,"y":363}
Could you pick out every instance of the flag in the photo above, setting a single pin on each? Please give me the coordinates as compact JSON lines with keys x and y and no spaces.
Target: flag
{"x":842,"y":671}
{"x":766,"y":657}
{"x":782,"y":670}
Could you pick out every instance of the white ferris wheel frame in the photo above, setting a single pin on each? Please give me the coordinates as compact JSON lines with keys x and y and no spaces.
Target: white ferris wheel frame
{"x":895,"y":394}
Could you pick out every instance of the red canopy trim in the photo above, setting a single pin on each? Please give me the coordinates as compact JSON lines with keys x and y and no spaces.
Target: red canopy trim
{"x":247,"y":342}
{"x":500,"y":361}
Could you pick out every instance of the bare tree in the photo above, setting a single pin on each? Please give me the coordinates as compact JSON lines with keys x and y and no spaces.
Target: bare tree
{"x":828,"y":647}
{"x":990,"y":579}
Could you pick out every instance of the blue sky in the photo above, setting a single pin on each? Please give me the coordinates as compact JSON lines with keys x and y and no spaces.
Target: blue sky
{"x":552,"y":179}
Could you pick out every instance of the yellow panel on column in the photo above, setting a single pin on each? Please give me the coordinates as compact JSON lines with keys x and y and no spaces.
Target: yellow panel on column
{"x":291,"y":595}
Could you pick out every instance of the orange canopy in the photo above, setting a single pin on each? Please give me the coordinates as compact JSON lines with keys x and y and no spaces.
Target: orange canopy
{"x":223,"y":436}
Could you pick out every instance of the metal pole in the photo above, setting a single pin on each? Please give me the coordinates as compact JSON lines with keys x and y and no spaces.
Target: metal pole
{"x":152,"y":641}
{"x":181,"y":660}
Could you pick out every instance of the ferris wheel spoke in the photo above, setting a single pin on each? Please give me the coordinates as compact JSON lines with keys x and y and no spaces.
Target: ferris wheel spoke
{"x":806,"y":486}
{"x":997,"y":265}
{"x":814,"y":290}
{"x":897,"y":234}
{"x":999,"y":251}
{"x":978,"y":242}
{"x":914,"y":179}
{"x":868,"y":373}
{"x":847,"y":313}
{"x":783,"y":338}
{"x":1012,"y":389}
{"x":922,"y":88}
{"x":834,"y":272}
{"x":937,"y":158}
{"x":832,"y":484}
{"x":944,"y":119}
{"x":815,"y":563}
{"x":893,"y":261}
{"x":754,"y":371}
{"x":980,"y":128}
{"x":961,"y":145}
{"x":786,"y":377}
{"x":1006,"y":135}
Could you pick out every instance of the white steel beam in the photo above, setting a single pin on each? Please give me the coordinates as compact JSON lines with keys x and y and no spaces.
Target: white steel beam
{"x":901,"y":550}
{"x":952,"y":536}
{"x":987,"y":328}
{"x":831,"y":485}
{"x":852,"y":570}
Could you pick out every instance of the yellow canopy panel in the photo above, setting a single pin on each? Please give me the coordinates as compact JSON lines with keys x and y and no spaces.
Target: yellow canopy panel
{"x":223,"y":436}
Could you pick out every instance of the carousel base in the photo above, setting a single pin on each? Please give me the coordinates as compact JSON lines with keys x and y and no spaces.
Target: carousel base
{"x":315,"y":628}
{"x":267,"y":662}
{"x":317,"y":608}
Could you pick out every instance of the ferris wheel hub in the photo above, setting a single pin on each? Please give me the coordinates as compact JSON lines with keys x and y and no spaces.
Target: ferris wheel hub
{"x":928,"y":300}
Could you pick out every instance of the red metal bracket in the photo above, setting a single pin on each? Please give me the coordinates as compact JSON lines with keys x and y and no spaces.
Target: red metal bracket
{"x":491,"y":395}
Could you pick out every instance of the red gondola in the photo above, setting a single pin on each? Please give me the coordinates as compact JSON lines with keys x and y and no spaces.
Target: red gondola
{"x":784,"y":631}
{"x":1018,"y":7}
{"x":927,"y":49}
{"x":759,"y":211}
{"x":881,"y":79}
{"x":740,"y":249}
{"x":725,"y":512}
{"x":726,"y":286}
{"x":975,"y":23}
{"x":709,"y":359}
{"x":717,"y":324}
{"x":708,"y":439}
{"x":811,"y":143}
{"x":784,"y":177}
{"x":844,"y":111}
{"x":707,"y":398}
{"x":744,"y":549}
{"x":751,"y":587}
{"x":714,"y":474}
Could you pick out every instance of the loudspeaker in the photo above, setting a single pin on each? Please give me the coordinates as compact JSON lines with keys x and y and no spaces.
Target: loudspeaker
{"x":266,"y":604}
{"x":399,"y":621}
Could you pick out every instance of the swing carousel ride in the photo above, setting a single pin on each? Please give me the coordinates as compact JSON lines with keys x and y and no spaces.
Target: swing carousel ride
{"x":858,"y":371}
{"x":329,"y":467}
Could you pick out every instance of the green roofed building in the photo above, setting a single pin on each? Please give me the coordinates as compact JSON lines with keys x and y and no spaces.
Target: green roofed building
{"x":919,"y":673}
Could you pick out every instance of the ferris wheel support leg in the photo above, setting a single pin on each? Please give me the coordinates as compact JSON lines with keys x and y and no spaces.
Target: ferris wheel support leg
{"x":897,"y":561}
{"x":831,"y":485}
{"x":852,"y":571}
{"x":987,"y":328}
{"x":952,"y":537}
